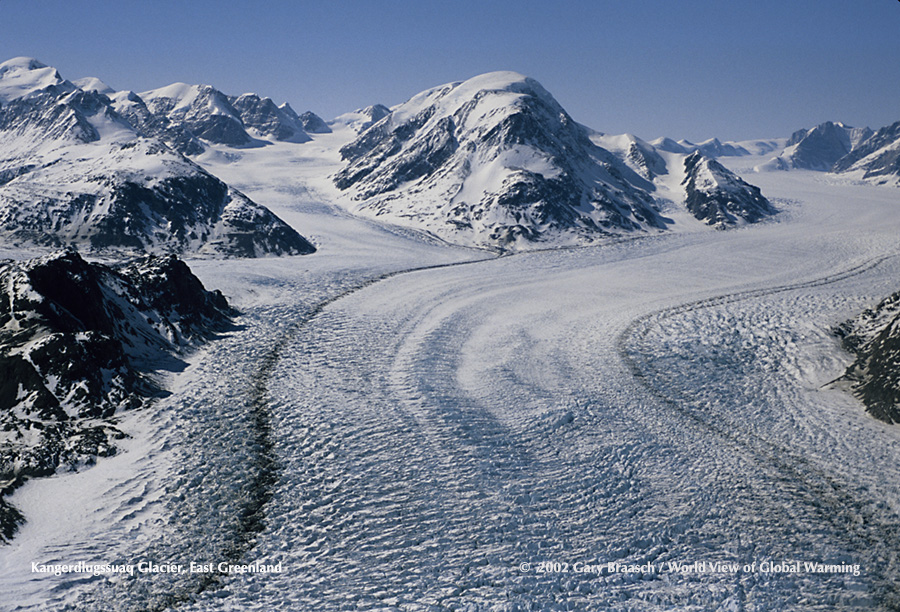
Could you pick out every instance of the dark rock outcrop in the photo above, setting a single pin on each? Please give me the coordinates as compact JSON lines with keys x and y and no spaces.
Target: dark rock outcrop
{"x":269,"y":120}
{"x":313,"y":124}
{"x":874,"y":337}
{"x":78,"y":342}
{"x":132,"y":107}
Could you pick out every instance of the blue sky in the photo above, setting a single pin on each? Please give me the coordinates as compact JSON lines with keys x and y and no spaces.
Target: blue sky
{"x":692,"y":69}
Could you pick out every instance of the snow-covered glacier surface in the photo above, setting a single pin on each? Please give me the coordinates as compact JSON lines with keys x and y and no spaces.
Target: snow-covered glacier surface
{"x":404,"y":425}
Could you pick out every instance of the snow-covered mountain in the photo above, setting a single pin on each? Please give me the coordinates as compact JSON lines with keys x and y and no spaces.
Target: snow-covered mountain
{"x":263,"y":117}
{"x":203,"y":110}
{"x":876,"y":159}
{"x":639,"y":155}
{"x":820,"y":147}
{"x":311,"y":122}
{"x":94,"y":84}
{"x":209,"y":114}
{"x":76,"y":171}
{"x":492,"y":162}
{"x":710,"y":148}
{"x":857,"y":153}
{"x":76,"y":343}
{"x":362,"y":119}
{"x":718,"y":197}
{"x":133,"y":108}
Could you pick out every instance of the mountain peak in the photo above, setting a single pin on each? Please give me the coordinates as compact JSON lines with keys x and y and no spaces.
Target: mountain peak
{"x":820,"y":147}
{"x":494,"y":161}
{"x":21,"y":77}
{"x":720,"y":198}
{"x":94,"y":84}
{"x":21,"y":63}
{"x":491,"y":92}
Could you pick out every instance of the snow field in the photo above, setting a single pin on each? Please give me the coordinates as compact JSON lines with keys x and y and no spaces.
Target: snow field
{"x":414,"y":440}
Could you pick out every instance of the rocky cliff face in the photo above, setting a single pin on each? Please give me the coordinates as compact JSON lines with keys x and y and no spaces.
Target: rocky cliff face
{"x":822,"y":146}
{"x":77,"y":344}
{"x":132,"y":107}
{"x":312,"y":123}
{"x":201,"y":109}
{"x":212,"y":116}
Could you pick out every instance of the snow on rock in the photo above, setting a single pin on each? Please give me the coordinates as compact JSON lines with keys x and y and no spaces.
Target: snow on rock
{"x":639,"y":155}
{"x":203,"y":110}
{"x":855,"y":153}
{"x":132,"y":107}
{"x":77,"y":342}
{"x":312,"y":123}
{"x":820,"y":147}
{"x":23,"y":77}
{"x":362,"y":119}
{"x":494,"y":162}
{"x":874,"y":337}
{"x":876,"y":159}
{"x":718,"y":197}
{"x":268,"y":120}
{"x":237,"y":121}
{"x":710,"y":148}
{"x":94,"y":84}
{"x":714,"y":148}
{"x":37,"y":103}
{"x":77,"y":168}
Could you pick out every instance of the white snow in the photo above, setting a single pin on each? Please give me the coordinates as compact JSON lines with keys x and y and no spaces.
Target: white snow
{"x":94,"y":84}
{"x":183,"y":93}
{"x":21,"y":77}
{"x":649,"y":400}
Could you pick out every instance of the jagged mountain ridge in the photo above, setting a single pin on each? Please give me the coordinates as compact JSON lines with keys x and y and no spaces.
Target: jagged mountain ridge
{"x":640,"y":156}
{"x":77,"y":341}
{"x":185,"y":116}
{"x":75,"y":171}
{"x":832,"y":146}
{"x":494,"y":161}
{"x":362,"y":119}
{"x":210,"y":115}
{"x":710,"y":148}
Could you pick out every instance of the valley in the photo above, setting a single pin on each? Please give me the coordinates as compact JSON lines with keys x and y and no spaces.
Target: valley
{"x":410,"y":419}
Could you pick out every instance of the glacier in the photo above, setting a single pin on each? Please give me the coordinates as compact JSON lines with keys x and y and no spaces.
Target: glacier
{"x":404,"y":423}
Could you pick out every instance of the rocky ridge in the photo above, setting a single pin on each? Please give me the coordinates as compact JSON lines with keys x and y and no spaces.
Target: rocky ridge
{"x":79,"y":343}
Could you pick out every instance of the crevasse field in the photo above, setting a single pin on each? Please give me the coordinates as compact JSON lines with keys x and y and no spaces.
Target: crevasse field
{"x":407,"y":425}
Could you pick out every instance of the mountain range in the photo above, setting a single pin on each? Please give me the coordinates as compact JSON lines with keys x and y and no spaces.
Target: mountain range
{"x":492,"y":162}
{"x":74,"y":171}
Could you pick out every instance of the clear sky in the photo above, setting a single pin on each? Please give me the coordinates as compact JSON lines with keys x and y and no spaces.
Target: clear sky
{"x":686,"y":69}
